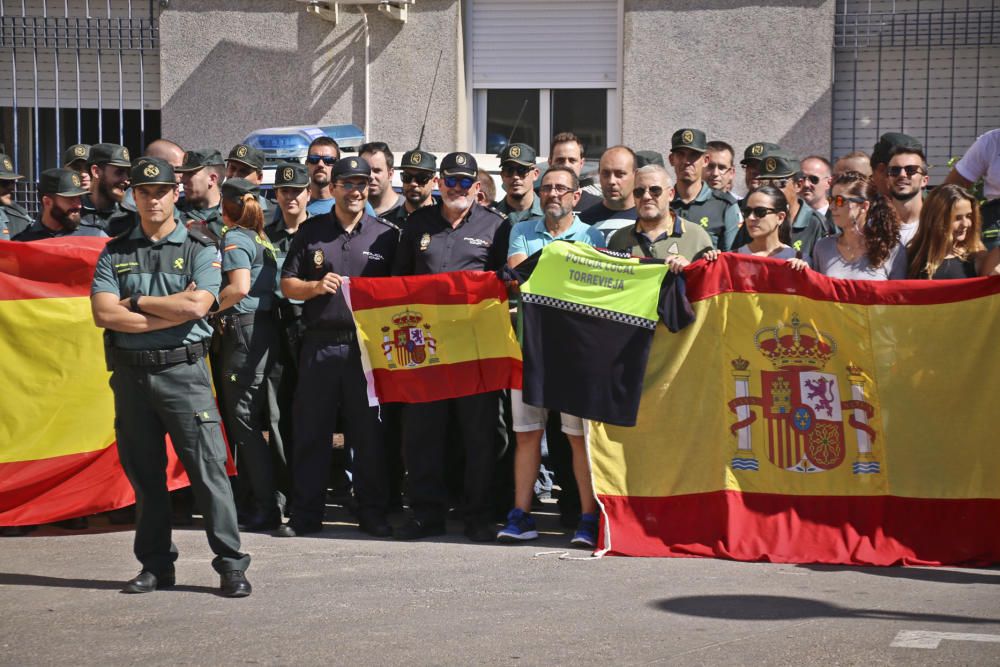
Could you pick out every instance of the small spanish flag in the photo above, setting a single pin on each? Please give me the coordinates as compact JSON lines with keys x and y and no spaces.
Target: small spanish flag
{"x":432,"y":337}
{"x":58,"y":457}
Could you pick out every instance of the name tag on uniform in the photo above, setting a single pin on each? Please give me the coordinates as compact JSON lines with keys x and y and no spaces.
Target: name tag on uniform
{"x":479,"y":243}
{"x":373,"y":256}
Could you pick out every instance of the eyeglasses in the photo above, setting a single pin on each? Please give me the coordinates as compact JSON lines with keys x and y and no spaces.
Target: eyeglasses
{"x":420,"y":179}
{"x":910,"y":169}
{"x":328,"y":160}
{"x":812,"y":178}
{"x":779,"y":183}
{"x":559,"y":190}
{"x":840,"y":201}
{"x":515,"y":170}
{"x":465,"y":182}
{"x":654,"y":190}
{"x":360,"y":186}
{"x":758,"y":211}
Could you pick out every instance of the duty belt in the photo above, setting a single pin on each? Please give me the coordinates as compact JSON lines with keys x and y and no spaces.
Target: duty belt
{"x":187,"y":353}
{"x":337,"y":336}
{"x":288,"y":312}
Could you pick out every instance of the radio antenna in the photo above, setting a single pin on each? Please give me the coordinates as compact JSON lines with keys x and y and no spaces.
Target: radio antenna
{"x":517,"y":123}
{"x":427,"y":111}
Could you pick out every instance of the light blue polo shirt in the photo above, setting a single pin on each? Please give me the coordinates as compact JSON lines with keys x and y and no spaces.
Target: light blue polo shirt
{"x":530,"y":236}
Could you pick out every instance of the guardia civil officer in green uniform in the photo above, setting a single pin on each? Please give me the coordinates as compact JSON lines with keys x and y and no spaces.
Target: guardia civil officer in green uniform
{"x":417,"y":175}
{"x":518,"y":173}
{"x":14,"y":218}
{"x":202,"y":174}
{"x":75,"y":157}
{"x":109,"y":166}
{"x":751,"y":162}
{"x":248,"y":162}
{"x":803,"y":225}
{"x":59,"y":192}
{"x":716,"y":212}
{"x":152,"y":289}
{"x":249,"y":275}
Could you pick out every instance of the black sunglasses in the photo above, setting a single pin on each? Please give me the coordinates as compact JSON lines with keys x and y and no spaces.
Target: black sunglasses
{"x":325,"y":159}
{"x":758,"y":211}
{"x":654,"y":190}
{"x":812,"y":178}
{"x":420,"y":179}
{"x":910,"y":169}
{"x":515,"y":170}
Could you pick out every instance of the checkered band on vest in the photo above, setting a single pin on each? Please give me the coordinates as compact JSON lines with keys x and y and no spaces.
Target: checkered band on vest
{"x":583,"y":309}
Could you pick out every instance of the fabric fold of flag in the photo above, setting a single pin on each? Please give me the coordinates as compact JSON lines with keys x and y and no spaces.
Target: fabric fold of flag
{"x":432,"y":337}
{"x":58,"y":457}
{"x":808,"y":419}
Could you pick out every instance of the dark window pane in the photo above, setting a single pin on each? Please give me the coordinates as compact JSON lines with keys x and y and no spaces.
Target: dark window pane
{"x":502,"y":110}
{"x":585,"y":114}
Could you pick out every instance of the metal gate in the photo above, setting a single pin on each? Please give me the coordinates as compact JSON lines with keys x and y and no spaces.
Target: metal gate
{"x":76,"y":71}
{"x":929,"y":68}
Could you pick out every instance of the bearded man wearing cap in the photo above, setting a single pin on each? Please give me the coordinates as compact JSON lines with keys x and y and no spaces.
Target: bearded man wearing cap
{"x":518,"y":173}
{"x":59,"y":192}
{"x":202,"y":173}
{"x":75,"y":157}
{"x":344,"y":242}
{"x":716,"y":212}
{"x":417,"y":174}
{"x":153,"y":287}
{"x":13,"y":218}
{"x":454,"y":235}
{"x":109,"y":166}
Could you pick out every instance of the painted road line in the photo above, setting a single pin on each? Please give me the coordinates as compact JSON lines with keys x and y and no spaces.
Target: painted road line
{"x":930,"y":639}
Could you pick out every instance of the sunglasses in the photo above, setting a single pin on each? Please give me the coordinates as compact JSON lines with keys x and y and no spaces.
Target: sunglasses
{"x":464,"y":182}
{"x":325,"y":159}
{"x":353,"y":185}
{"x":419,"y":179}
{"x":812,"y":178}
{"x":758,"y":211}
{"x":779,"y":183}
{"x":910,"y":169}
{"x":559,"y":190}
{"x":840,"y":201}
{"x":515,"y":170}
{"x":654,"y":190}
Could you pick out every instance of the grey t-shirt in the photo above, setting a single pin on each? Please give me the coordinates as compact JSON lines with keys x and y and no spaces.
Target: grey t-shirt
{"x":826,"y":259}
{"x":787,"y":252}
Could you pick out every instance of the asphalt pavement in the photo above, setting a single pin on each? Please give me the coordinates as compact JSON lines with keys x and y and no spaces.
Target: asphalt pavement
{"x":341,"y":598}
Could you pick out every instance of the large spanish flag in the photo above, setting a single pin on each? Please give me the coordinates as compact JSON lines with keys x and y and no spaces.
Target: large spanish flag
{"x":58,"y":459}
{"x":809,"y":419}
{"x":432,"y":337}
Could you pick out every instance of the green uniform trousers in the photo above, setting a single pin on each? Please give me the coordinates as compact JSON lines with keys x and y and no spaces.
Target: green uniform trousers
{"x":151,"y":401}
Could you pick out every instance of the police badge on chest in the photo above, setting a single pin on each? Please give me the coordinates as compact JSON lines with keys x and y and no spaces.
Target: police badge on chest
{"x":318,"y":258}
{"x":425,"y":242}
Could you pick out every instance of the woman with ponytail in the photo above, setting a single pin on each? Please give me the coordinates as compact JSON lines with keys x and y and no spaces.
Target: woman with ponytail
{"x":868,"y":246}
{"x":947,"y":244}
{"x":249,"y":272}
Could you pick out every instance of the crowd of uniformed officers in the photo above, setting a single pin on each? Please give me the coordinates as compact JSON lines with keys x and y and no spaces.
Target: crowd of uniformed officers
{"x":255,"y":285}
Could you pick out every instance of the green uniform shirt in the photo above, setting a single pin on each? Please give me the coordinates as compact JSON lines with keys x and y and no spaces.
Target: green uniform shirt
{"x":132,"y":263}
{"x":688,"y":240}
{"x":245,"y":249}
{"x":17,"y":219}
{"x":533,"y":211}
{"x":716,"y":212}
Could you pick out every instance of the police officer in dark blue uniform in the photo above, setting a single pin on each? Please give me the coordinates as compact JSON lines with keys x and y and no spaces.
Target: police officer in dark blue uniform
{"x":344,"y":242}
{"x":152,"y":288}
{"x":453,"y":235}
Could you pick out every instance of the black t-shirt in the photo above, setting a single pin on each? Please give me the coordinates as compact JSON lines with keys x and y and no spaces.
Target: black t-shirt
{"x":322,"y":246}
{"x":599,"y":213}
{"x":430,"y":244}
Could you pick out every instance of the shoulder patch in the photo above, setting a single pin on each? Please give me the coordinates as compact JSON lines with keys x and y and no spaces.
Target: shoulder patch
{"x":494,"y":209}
{"x":388,"y":223}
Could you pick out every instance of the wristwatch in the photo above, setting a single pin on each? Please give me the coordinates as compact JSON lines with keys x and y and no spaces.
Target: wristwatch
{"x":133,"y":302}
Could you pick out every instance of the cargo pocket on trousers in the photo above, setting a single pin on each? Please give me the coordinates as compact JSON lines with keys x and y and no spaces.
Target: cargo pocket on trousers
{"x":210,"y":441}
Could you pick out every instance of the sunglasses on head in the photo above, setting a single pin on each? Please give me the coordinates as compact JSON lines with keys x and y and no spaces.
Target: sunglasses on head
{"x":840,"y":201}
{"x":758,"y":211}
{"x":910,"y":169}
{"x":328,"y":160}
{"x":353,"y":185}
{"x":465,"y":182}
{"x":419,"y":179}
{"x":654,"y":190}
{"x":812,"y":178}
{"x":515,"y":170}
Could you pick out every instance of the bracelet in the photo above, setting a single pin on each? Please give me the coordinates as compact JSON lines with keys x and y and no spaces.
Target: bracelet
{"x":133,"y":302}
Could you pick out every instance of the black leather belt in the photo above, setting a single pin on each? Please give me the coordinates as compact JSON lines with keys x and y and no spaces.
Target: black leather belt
{"x":242,"y":319}
{"x":339,"y":336}
{"x":187,"y":353}
{"x":288,"y":312}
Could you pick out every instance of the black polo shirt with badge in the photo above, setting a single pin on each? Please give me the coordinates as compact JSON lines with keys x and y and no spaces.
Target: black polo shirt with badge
{"x":430,"y":244}
{"x":322,"y":246}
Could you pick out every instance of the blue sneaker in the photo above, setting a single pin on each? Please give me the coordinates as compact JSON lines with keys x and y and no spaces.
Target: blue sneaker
{"x":520,"y":527}
{"x":586,"y":532}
